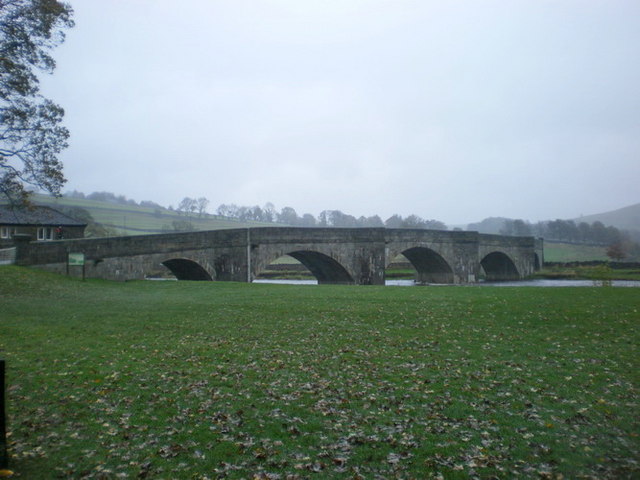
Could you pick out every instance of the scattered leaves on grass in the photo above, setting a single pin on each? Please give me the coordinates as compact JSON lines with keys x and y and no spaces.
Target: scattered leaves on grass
{"x":238,"y":381}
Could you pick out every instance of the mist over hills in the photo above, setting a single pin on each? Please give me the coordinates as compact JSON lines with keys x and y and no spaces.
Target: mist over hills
{"x":626,"y":218}
{"x":488,"y":225}
{"x":584,"y":239}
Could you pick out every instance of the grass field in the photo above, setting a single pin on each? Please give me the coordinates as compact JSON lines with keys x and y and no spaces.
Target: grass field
{"x":202,"y":380}
{"x":137,"y":220}
{"x":569,"y":252}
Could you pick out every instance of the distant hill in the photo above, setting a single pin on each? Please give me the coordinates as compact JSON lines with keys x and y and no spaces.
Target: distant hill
{"x":627,"y":218}
{"x":130,"y":219}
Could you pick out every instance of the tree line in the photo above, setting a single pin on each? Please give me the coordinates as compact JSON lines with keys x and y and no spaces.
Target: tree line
{"x":595,"y":233}
{"x":268,"y":213}
{"x":620,"y":242}
{"x":110,"y":197}
{"x":327,"y":218}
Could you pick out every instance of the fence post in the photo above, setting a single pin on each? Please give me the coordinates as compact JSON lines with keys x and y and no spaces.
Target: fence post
{"x":4,"y":459}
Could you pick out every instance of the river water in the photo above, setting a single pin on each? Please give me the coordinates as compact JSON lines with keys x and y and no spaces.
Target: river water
{"x":520,"y":283}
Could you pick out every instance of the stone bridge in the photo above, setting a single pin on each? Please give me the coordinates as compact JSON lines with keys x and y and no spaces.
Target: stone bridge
{"x":333,"y":255}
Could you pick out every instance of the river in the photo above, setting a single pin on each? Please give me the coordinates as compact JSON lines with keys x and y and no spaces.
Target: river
{"x":520,"y":283}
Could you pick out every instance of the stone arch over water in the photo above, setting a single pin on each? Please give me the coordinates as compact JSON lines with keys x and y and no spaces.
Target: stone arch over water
{"x":499,"y":266}
{"x":430,"y":266}
{"x":323,"y":267}
{"x":184,"y":269}
{"x":283,"y":267}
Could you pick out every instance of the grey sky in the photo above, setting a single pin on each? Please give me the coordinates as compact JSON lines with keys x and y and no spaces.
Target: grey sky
{"x":452,"y":110}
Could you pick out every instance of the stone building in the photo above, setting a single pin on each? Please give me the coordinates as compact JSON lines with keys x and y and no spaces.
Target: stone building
{"x":42,"y":223}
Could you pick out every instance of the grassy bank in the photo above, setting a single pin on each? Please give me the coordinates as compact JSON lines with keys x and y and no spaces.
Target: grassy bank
{"x":598,"y":272}
{"x":571,"y":252}
{"x":222,"y":380}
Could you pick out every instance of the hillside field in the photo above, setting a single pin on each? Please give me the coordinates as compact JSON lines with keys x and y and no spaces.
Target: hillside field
{"x":137,"y":220}
{"x":626,"y":218}
{"x":570,"y":252}
{"x":204,"y":380}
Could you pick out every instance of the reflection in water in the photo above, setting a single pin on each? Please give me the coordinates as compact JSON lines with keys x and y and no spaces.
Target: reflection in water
{"x":561,"y":283}
{"x":287,"y":282}
{"x":520,"y":283}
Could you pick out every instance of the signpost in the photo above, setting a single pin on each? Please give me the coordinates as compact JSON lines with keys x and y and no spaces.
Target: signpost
{"x":76,"y":260}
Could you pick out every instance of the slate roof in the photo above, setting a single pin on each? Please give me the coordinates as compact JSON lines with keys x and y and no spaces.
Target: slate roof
{"x":36,"y":215}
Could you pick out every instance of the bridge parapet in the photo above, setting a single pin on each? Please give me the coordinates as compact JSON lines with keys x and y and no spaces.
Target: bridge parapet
{"x":334,"y":255}
{"x":133,"y":257}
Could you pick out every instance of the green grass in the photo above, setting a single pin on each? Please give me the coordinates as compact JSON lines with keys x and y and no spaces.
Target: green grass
{"x":400,"y":273}
{"x":221,"y":380}
{"x":568,"y":252}
{"x":599,"y":272}
{"x":136,"y":220}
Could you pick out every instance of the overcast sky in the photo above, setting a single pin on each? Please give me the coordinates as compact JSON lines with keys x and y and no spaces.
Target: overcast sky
{"x":451,"y":110}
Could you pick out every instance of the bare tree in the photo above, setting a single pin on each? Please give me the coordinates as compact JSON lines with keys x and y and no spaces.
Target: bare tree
{"x":187,"y":205}
{"x":617,"y":251}
{"x":202,"y":204}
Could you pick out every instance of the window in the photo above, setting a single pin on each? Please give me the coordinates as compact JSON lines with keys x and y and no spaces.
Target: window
{"x":45,"y":233}
{"x":7,"y":232}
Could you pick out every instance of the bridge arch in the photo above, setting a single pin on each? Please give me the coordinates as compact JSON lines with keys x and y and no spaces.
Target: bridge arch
{"x":323,"y":267}
{"x":499,"y":266}
{"x":431,"y":267}
{"x":185,"y":269}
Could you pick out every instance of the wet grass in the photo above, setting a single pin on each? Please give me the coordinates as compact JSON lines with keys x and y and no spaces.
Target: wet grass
{"x":597,"y":272}
{"x":570,"y":252}
{"x":223,"y":380}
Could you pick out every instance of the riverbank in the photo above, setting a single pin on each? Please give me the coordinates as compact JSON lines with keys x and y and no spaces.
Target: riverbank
{"x":594,"y":271}
{"x":589,"y":271}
